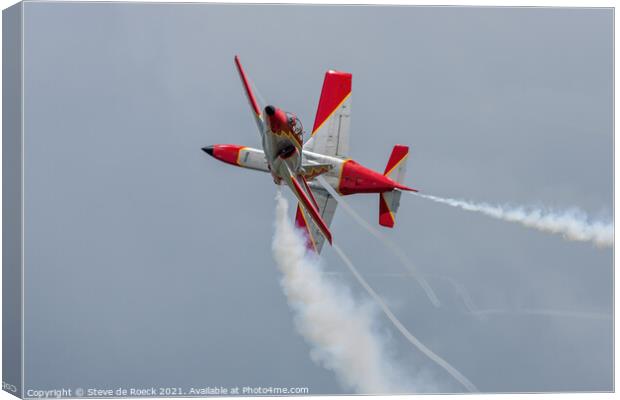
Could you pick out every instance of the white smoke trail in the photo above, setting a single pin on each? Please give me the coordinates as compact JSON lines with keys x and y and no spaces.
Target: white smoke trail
{"x":571,"y":224}
{"x":460,"y":290}
{"x":387,"y":242}
{"x":339,"y":330}
{"x":545,"y":312}
{"x":401,"y":328}
{"x":472,"y":309}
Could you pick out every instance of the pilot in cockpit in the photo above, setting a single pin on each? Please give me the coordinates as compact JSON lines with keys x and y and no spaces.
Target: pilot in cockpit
{"x":295,"y":124}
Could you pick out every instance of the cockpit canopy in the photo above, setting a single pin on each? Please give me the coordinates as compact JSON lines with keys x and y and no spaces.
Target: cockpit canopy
{"x":295,"y":124}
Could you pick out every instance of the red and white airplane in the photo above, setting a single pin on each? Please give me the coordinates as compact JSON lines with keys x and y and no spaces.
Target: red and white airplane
{"x":325,"y":153}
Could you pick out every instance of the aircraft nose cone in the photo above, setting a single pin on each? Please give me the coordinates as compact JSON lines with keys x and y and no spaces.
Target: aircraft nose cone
{"x":208,"y":150}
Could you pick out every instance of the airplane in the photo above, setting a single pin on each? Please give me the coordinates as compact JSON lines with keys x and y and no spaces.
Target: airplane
{"x":325,"y":153}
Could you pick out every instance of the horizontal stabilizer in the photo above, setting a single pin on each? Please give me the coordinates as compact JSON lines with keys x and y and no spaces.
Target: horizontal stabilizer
{"x":388,"y":205}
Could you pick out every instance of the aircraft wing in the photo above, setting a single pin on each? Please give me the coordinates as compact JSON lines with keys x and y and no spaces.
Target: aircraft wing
{"x":308,"y":204}
{"x":326,"y":206}
{"x":247,"y":86}
{"x":330,"y":134}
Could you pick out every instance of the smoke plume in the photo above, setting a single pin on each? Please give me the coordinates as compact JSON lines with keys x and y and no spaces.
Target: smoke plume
{"x":402,"y":329}
{"x":571,"y":224}
{"x":340,"y":331}
{"x":397,"y":251}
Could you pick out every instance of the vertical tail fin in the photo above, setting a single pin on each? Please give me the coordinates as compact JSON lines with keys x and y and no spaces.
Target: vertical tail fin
{"x":395,"y":170}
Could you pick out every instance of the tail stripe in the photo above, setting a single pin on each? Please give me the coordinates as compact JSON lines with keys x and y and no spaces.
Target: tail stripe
{"x":336,"y":90}
{"x":323,"y":118}
{"x":399,"y":154}
{"x":386,"y":216}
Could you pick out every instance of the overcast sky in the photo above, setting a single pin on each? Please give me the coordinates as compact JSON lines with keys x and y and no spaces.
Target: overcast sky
{"x":149,"y":263}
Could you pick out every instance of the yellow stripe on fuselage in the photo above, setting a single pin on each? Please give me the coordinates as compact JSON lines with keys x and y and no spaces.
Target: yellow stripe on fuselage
{"x":239,"y":154}
{"x":340,"y":174}
{"x":290,"y":136}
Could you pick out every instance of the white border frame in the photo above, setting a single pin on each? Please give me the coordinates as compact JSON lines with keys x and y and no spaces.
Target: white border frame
{"x":446,"y":3}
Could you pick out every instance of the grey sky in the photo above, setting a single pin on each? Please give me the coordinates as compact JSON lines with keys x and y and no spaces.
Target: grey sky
{"x":149,"y":263}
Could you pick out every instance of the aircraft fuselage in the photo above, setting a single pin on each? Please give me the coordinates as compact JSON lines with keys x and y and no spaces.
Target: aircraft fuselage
{"x":282,"y":143}
{"x":346,"y":176}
